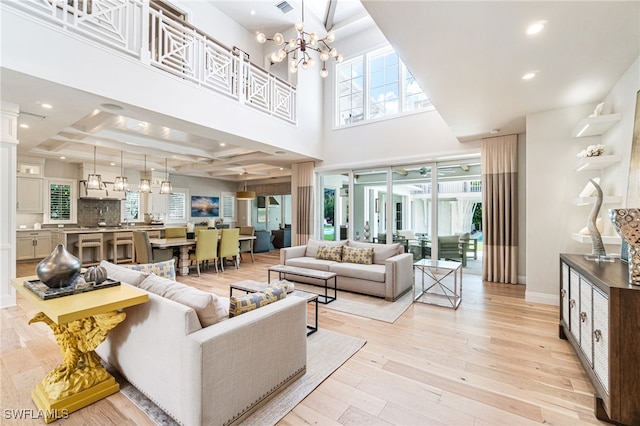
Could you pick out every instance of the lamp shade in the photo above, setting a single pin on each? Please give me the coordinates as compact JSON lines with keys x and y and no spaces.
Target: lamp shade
{"x":245,"y":195}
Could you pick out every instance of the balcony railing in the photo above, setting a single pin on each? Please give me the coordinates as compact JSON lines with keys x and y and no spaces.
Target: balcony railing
{"x":134,"y":28}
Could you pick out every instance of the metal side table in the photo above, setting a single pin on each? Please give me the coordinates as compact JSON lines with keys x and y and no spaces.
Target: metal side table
{"x":443,"y":286}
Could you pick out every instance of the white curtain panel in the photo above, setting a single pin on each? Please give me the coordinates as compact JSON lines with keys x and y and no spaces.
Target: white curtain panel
{"x":500,"y":209}
{"x":302,"y":199}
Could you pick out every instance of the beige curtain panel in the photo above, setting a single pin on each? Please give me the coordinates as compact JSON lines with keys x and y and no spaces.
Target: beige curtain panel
{"x":302,"y":189}
{"x":500,"y":209}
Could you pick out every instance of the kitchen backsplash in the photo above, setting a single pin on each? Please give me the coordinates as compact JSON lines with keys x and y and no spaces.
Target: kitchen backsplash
{"x":90,"y":212}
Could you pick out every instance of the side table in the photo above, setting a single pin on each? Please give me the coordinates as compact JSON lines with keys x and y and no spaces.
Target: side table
{"x":444,"y":282}
{"x":80,"y":322}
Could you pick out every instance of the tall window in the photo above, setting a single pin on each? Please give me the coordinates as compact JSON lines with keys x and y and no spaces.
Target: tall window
{"x":131,"y":206}
{"x":351,"y":91}
{"x":61,"y":201}
{"x":376,"y":85}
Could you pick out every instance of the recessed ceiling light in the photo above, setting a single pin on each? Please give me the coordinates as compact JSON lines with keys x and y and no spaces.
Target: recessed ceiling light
{"x":46,"y":106}
{"x":253,"y":12}
{"x":112,"y":106}
{"x":62,"y":157}
{"x":223,"y":144}
{"x":24,"y":126}
{"x":112,"y":163}
{"x":281,"y":168}
{"x":495,"y":131}
{"x":142,"y":124}
{"x":529,"y":76}
{"x":536,"y":27}
{"x":152,"y":168}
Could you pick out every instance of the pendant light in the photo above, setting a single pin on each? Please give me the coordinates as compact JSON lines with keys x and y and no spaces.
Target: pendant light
{"x":165,"y":186}
{"x":245,"y":195}
{"x":94,"y":181}
{"x":121,"y":183}
{"x":145,"y":184}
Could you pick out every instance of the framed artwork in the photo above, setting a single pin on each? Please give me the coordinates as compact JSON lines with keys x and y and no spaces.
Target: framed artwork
{"x":205,"y":206}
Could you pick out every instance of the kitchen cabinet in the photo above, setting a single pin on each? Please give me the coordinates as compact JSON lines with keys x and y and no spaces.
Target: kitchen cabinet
{"x":33,"y":245}
{"x":29,"y":195}
{"x":599,"y":316}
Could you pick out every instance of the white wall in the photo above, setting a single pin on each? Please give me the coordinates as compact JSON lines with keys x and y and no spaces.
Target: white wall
{"x":552,"y":183}
{"x":8,"y":161}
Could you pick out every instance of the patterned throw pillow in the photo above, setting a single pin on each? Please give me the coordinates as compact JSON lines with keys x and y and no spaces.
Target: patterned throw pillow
{"x":162,"y":269}
{"x":239,"y":305}
{"x":330,"y":253}
{"x":361,"y":255}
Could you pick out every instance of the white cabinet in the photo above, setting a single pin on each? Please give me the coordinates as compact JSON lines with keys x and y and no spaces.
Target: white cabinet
{"x":33,"y":245}
{"x":29,"y":196}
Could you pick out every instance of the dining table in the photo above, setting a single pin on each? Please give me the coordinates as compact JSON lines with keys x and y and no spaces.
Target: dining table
{"x":184,"y":244}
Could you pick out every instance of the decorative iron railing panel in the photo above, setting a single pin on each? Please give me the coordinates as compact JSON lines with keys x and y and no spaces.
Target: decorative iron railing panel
{"x":169,"y":44}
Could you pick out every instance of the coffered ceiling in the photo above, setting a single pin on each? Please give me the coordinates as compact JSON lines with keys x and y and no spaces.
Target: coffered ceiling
{"x":469,"y":57}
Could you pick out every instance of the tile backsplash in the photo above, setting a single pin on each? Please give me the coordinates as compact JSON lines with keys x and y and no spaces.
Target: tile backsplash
{"x":91,"y":211}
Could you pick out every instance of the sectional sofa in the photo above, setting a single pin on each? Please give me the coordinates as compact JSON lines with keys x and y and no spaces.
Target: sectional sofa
{"x":389,"y":273}
{"x":202,"y":368}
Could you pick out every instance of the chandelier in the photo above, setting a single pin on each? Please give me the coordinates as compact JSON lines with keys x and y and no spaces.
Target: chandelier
{"x":145,"y":184}
{"x":121,"y":182}
{"x":165,"y":185}
{"x":299,"y":48}
{"x":94,"y":180}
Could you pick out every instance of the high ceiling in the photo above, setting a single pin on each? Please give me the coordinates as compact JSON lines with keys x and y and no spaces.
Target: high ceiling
{"x":468,"y":56}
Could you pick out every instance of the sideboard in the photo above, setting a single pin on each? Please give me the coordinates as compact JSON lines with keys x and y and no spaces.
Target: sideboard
{"x":600,"y":317}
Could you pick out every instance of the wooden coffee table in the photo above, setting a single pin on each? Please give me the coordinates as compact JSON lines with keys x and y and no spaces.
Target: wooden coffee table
{"x":309,"y":273}
{"x":250,"y":286}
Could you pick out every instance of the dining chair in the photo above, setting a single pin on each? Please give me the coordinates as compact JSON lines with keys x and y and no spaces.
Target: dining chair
{"x":206,"y":248}
{"x":145,"y":253}
{"x":246,"y":246}
{"x":175,"y":233}
{"x":229,"y":246}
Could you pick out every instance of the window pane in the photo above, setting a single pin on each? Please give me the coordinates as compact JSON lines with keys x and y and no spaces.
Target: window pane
{"x":345,"y":103}
{"x":60,"y":202}
{"x":132,"y":206}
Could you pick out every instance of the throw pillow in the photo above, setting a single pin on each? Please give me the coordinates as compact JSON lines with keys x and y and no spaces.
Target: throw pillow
{"x":122,"y":274}
{"x":209,"y":308}
{"x":239,"y":305}
{"x":314,"y":245}
{"x":360,"y":255}
{"x":162,"y":269}
{"x":329,"y":253}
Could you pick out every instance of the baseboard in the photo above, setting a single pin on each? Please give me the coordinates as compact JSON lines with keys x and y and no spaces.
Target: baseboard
{"x":7,"y":301}
{"x":544,"y":298}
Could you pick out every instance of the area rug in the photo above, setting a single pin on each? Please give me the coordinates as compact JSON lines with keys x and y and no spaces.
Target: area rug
{"x":326,"y":352}
{"x":365,"y":306}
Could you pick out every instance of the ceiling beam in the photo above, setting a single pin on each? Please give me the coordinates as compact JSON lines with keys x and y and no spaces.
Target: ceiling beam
{"x":331,"y":13}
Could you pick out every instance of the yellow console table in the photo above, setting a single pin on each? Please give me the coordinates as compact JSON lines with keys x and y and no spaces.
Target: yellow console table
{"x":79,"y":322}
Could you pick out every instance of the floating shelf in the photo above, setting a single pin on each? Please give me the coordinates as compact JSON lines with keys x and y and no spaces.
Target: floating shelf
{"x":596,"y":163}
{"x":606,"y":239}
{"x":593,"y":126}
{"x":616,"y":199}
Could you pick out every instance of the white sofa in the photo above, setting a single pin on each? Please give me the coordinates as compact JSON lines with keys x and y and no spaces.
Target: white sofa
{"x":389,"y":276}
{"x":215,"y":375}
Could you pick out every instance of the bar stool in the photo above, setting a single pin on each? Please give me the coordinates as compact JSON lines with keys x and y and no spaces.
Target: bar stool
{"x":124,"y":239}
{"x":93,"y":242}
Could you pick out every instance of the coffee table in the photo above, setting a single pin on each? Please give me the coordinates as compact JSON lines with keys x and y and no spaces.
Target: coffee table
{"x":309,"y":273}
{"x":439,"y":290}
{"x":249,"y":286}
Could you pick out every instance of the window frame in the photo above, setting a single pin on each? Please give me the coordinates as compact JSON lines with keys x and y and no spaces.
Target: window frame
{"x":403,"y":75}
{"x":73,"y":201}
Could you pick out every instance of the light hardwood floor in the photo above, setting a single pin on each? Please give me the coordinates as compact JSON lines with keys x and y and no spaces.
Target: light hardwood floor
{"x":496,"y":360}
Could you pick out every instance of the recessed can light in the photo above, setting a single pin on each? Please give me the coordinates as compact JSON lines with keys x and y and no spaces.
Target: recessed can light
{"x":62,"y":157}
{"x":46,"y":106}
{"x":536,"y":27}
{"x":24,"y":126}
{"x":529,"y":76}
{"x":253,"y":12}
{"x":223,"y":144}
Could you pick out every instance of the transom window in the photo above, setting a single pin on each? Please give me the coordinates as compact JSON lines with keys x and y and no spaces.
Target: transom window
{"x":376,"y":85}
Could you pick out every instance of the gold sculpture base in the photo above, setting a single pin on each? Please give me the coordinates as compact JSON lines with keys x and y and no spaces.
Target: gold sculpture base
{"x":53,"y":410}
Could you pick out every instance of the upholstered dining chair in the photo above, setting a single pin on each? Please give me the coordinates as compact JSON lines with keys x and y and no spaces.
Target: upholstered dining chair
{"x":229,"y":245}
{"x":246,"y":246}
{"x":175,"y":233}
{"x":206,"y":248}
{"x":145,"y":253}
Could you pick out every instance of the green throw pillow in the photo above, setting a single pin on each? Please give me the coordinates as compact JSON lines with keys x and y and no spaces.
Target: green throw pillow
{"x":239,"y":305}
{"x":329,"y":253}
{"x":360,"y":255}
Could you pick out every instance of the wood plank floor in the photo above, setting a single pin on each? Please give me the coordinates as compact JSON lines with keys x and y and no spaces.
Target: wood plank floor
{"x":496,"y":360}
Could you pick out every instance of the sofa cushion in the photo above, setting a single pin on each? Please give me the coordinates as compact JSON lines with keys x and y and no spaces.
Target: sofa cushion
{"x":239,"y":305}
{"x":122,"y":274}
{"x":364,"y":272}
{"x":314,"y":245}
{"x":164,"y":269}
{"x":311,"y":263}
{"x":360,"y":255}
{"x":210,"y":308}
{"x":381,"y":252}
{"x":329,"y":253}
